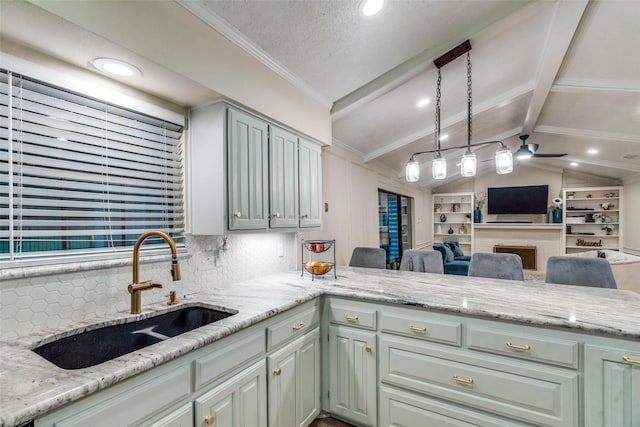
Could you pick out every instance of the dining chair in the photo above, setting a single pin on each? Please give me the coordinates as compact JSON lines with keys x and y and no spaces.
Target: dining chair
{"x":422,"y":260}
{"x":368,"y":257}
{"x":496,"y":266}
{"x":580,"y":271}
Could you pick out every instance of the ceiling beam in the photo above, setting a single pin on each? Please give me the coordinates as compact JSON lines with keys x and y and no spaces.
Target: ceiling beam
{"x":564,"y":26}
{"x":591,"y":134}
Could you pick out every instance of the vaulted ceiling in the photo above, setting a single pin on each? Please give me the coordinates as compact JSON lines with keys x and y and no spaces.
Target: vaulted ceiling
{"x":565,"y":71}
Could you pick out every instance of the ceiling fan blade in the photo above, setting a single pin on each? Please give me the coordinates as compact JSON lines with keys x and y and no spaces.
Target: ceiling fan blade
{"x":549,"y":155}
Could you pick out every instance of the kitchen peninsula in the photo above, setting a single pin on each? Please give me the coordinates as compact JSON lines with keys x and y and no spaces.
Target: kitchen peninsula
{"x":500,"y":333}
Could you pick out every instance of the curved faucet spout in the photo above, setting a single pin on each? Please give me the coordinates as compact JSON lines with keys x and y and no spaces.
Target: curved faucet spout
{"x":136,"y":287}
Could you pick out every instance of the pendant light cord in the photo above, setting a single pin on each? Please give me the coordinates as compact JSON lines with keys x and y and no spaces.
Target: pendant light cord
{"x":469,"y":101}
{"x":438,"y":95}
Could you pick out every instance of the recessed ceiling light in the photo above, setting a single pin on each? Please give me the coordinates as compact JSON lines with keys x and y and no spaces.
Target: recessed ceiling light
{"x":423,"y":102}
{"x":116,"y":67}
{"x":371,"y":7}
{"x":592,"y":151}
{"x":574,"y":164}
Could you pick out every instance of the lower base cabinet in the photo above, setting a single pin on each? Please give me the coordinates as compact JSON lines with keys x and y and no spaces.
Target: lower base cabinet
{"x":401,"y":408}
{"x":352,"y":375}
{"x":294,"y":382}
{"x":240,"y":401}
{"x":182,"y":417}
{"x":612,"y":387}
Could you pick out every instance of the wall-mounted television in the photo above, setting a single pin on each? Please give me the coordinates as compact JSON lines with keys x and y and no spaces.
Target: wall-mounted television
{"x":530,"y":199}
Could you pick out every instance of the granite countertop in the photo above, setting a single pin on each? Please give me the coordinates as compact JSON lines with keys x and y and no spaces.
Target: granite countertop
{"x":31,"y":386}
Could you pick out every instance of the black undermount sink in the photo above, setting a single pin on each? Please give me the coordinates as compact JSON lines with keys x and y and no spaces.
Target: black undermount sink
{"x":96,"y":346}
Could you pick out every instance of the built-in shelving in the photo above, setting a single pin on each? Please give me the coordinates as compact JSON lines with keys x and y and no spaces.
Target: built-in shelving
{"x":453,"y":212}
{"x":592,"y":219}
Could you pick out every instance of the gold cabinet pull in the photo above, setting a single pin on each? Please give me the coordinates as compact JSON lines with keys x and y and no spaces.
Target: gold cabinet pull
{"x":298,"y":326}
{"x":276,"y":215}
{"x":210,"y":420}
{"x":518,"y":346}
{"x":277,"y":371}
{"x":368,"y":349}
{"x":417,"y":329}
{"x":630,"y":360}
{"x":305,"y":216}
{"x":237,"y":214}
{"x":350,"y":318}
{"x":465,"y":381}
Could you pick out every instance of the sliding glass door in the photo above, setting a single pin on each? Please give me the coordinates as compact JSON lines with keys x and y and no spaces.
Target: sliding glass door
{"x":394,"y":216}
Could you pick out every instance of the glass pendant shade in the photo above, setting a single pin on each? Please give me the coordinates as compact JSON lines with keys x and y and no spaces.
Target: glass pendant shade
{"x":469,"y":164}
{"x":412,"y":170}
{"x":439,"y":167}
{"x":504,"y":161}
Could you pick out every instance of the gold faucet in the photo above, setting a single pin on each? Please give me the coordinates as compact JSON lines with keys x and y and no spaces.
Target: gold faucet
{"x":136,"y":288}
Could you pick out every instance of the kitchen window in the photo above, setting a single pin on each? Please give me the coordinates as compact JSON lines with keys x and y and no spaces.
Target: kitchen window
{"x":82,"y":178}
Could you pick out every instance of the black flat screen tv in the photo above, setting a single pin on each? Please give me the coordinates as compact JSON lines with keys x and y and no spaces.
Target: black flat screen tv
{"x":530,"y":199}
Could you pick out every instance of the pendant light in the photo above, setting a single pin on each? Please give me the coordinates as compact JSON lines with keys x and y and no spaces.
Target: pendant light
{"x":469,"y":162}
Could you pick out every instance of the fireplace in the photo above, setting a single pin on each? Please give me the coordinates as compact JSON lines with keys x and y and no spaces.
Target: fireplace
{"x":526,"y":253}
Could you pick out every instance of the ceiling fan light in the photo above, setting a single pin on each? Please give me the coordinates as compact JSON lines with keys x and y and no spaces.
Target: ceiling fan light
{"x":371,"y":7}
{"x":504,"y":161}
{"x":523,"y":153}
{"x":439,"y":167}
{"x":412,"y":170}
{"x":469,"y":164}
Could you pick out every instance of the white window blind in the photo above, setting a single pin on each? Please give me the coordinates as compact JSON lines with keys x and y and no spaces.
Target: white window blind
{"x":81,"y":177}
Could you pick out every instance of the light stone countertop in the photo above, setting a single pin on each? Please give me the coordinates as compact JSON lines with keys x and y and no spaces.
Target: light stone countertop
{"x":30,"y":386}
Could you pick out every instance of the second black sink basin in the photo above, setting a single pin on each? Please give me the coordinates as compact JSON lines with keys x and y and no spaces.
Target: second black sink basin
{"x":96,"y":346}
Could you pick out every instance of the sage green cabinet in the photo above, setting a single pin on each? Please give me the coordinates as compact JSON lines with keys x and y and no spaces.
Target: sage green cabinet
{"x":247,"y":171}
{"x":283,"y":178}
{"x":612,"y":386}
{"x":294,"y":382}
{"x":240,"y":401}
{"x":181,"y":417}
{"x":352,"y":374}
{"x":310,"y":173}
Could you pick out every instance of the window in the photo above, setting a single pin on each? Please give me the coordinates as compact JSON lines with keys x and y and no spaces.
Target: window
{"x":80,"y":176}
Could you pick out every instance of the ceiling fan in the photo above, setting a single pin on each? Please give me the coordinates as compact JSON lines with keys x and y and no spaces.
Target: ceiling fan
{"x":527,"y":151}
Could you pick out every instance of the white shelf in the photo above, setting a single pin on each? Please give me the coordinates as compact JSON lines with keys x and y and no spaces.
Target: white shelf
{"x":462,"y":216}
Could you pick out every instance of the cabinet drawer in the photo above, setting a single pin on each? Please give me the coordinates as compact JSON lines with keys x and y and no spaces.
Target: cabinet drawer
{"x":541,"y":395}
{"x":182,"y":417}
{"x":422,"y":325}
{"x":352,"y":314}
{"x":228,"y":354}
{"x":293,"y":325}
{"x":399,"y":408}
{"x":524,"y":345}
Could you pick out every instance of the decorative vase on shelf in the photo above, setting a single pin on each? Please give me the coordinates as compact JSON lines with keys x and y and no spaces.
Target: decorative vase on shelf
{"x":439,"y":229}
{"x":477,"y":215}
{"x":450,"y":230}
{"x":443,"y":218}
{"x":557,"y":216}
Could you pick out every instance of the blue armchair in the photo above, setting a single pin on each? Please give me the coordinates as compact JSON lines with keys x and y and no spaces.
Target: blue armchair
{"x":451,"y":265}
{"x":458,"y":255}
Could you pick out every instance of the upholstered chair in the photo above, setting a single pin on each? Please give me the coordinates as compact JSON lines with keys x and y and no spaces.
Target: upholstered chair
{"x":581,"y":271}
{"x":458,"y":255}
{"x":451,"y":265}
{"x":496,"y":266}
{"x":423,"y":261}
{"x":368,"y":257}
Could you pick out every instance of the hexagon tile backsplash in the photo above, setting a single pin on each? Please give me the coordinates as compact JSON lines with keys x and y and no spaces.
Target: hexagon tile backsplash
{"x":63,"y":298}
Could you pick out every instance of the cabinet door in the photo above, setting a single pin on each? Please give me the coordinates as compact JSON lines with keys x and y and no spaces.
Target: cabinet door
{"x":612,"y":387}
{"x":182,"y":417}
{"x":240,"y":401}
{"x":310,"y":166}
{"x":283,"y":182}
{"x":294,"y":382}
{"x":247,"y":172}
{"x":352,"y":374}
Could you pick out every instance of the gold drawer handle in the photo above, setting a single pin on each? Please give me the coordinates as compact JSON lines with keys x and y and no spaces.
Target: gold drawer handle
{"x":276,"y":215}
{"x":465,"y":381}
{"x":418,"y":329}
{"x":350,"y":318}
{"x":210,"y":420}
{"x":305,"y":216}
{"x":298,"y":326}
{"x":277,"y":371}
{"x":368,"y":349}
{"x":518,"y":347}
{"x":237,"y":214}
{"x":630,"y":360}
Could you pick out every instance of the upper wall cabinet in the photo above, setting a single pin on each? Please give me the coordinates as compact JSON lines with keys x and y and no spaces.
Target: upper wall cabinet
{"x":247,"y":174}
{"x":247,"y":171}
{"x":283,"y":178}
{"x":310,"y":165}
